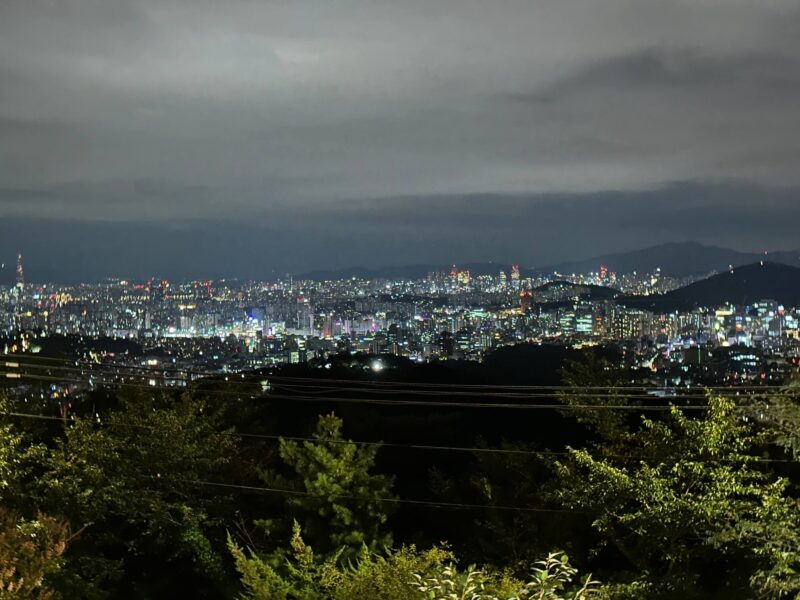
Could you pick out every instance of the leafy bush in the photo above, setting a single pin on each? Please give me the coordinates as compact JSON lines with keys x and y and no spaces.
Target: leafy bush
{"x":551,"y":579}
{"x":406,"y":574}
{"x":30,"y":550}
{"x":303,"y":575}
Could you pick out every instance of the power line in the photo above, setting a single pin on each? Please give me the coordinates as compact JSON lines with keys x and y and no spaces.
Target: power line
{"x":521,"y":387}
{"x":276,"y":437}
{"x":437,"y":392}
{"x":312,"y":389}
{"x":273,"y":490}
{"x":497,"y":405}
{"x":395,"y":402}
{"x":380,"y":402}
{"x":429,"y":503}
{"x":52,"y":379}
{"x":320,"y":440}
{"x":396,"y":384}
{"x":389,"y":500}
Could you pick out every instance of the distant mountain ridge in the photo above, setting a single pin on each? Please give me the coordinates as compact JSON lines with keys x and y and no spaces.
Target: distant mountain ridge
{"x":676,"y":259}
{"x":741,"y":285}
{"x":405,"y":271}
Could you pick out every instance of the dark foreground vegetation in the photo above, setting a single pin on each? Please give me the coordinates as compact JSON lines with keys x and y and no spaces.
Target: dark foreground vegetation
{"x":218,"y":492}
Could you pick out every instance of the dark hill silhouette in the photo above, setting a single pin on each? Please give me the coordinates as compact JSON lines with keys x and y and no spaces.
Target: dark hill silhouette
{"x":676,"y":259}
{"x":582,"y":290}
{"x":742,"y":285}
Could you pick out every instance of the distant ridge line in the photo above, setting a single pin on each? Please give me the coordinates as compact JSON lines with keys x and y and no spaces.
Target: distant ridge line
{"x":676,"y":259}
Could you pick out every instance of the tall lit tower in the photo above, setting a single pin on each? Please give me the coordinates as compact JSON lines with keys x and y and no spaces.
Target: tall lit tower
{"x":20,"y":272}
{"x":515,"y":277}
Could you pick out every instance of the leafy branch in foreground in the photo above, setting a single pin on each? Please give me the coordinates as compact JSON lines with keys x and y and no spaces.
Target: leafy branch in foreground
{"x":690,"y":501}
{"x":30,"y":550}
{"x":406,"y":574}
{"x":551,"y":579}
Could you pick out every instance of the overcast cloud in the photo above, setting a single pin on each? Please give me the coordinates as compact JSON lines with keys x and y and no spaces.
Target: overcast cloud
{"x":333,"y":117}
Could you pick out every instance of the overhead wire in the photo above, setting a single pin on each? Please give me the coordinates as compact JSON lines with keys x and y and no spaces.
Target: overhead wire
{"x":318,"y":388}
{"x":14,"y":359}
{"x":384,"y":500}
{"x":385,"y":402}
{"x":389,"y":500}
{"x":371,"y":387}
{"x":381,"y":444}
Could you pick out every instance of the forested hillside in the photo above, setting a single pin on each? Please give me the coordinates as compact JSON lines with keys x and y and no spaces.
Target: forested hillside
{"x":328,"y":487}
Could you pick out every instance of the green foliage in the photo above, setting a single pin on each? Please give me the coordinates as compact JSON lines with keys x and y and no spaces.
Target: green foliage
{"x":674,"y":506}
{"x":780,"y":416}
{"x":595,"y":373}
{"x":692,"y":500}
{"x":553,"y":578}
{"x":513,"y":478}
{"x":132,"y":481}
{"x":30,"y":551}
{"x":449,"y":584}
{"x":259,"y":579}
{"x":10,"y":459}
{"x":340,"y":504}
{"x":16,"y":454}
{"x":406,"y":574}
{"x":388,"y":576}
{"x":303,"y":575}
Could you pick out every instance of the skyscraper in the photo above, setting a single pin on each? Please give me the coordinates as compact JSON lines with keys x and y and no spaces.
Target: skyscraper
{"x":20,"y":272}
{"x":515,"y":277}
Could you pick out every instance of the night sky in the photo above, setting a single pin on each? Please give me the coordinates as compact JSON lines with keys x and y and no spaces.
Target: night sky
{"x":254,"y":137}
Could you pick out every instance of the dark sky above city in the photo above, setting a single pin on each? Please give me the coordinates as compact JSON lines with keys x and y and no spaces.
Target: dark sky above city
{"x":249,"y":137}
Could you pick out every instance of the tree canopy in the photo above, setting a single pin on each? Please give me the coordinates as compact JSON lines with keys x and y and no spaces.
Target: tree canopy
{"x":147,"y":494}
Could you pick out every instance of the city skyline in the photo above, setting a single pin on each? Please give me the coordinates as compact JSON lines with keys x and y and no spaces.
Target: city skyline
{"x":689,"y":259}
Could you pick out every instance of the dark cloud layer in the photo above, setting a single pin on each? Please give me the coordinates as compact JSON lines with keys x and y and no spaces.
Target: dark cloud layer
{"x":532,"y":230}
{"x":322,"y":134}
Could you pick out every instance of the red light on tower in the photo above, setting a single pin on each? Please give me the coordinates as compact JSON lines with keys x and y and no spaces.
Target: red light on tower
{"x":603,"y":272}
{"x":525,"y":300}
{"x":515,"y":272}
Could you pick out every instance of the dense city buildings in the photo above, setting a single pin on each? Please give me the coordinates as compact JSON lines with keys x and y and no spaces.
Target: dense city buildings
{"x":229,"y":326}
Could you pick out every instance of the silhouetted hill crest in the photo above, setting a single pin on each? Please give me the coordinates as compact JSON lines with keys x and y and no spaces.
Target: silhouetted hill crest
{"x":741,"y":286}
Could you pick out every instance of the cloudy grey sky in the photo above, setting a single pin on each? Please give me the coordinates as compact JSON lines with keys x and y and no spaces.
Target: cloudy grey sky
{"x":324,"y":133}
